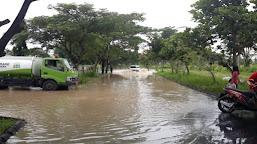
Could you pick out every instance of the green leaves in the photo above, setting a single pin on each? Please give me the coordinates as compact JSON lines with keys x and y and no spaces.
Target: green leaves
{"x":84,"y":34}
{"x":228,"y":20}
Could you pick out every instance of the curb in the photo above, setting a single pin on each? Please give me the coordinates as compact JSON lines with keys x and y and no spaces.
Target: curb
{"x":12,"y":130}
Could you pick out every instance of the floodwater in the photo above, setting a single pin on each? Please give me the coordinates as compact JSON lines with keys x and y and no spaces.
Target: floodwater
{"x":125,"y":107}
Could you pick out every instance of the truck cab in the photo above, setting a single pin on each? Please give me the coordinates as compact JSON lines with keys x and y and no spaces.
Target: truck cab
{"x":57,"y":73}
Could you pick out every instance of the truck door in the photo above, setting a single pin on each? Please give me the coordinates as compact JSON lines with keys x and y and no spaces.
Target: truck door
{"x":54,"y":69}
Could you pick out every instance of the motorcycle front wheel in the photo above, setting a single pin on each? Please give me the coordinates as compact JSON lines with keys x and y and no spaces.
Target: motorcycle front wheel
{"x":226,"y":105}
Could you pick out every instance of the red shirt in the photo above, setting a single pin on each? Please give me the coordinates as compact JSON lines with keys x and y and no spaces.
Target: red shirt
{"x":235,"y":76}
{"x":254,"y":77}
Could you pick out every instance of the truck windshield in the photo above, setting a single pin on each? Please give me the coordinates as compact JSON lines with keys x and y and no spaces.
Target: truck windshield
{"x":67,"y":64}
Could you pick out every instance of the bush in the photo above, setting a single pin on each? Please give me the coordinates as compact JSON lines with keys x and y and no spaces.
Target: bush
{"x":251,"y":69}
{"x":87,"y":76}
{"x":90,"y":74}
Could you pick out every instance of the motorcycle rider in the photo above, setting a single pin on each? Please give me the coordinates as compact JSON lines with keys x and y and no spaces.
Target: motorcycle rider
{"x":252,"y":86}
{"x":252,"y":82}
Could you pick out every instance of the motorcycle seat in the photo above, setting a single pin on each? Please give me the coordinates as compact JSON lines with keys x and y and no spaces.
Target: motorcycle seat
{"x":245,"y":92}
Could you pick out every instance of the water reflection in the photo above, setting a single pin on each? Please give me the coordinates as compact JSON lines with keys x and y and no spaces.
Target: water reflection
{"x":233,"y":128}
{"x":239,"y":127}
{"x":125,"y":107}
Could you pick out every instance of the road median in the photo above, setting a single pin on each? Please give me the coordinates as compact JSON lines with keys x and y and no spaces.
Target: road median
{"x":9,"y":127}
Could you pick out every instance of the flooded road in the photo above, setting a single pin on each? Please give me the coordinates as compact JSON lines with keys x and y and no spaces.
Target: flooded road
{"x":125,"y":107}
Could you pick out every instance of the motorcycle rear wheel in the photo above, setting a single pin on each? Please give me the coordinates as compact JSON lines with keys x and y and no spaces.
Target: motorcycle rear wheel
{"x":225,"y":108}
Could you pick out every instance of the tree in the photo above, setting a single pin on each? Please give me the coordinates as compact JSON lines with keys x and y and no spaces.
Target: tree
{"x":4,"y":22}
{"x":247,"y":55}
{"x":145,"y":59}
{"x":166,"y":53}
{"x":70,"y":31}
{"x":37,"y":52}
{"x":167,"y":32}
{"x":15,"y":27}
{"x":158,"y":50}
{"x":19,"y":41}
{"x":180,"y":47}
{"x":120,"y":30}
{"x":79,"y":32}
{"x":228,"y":20}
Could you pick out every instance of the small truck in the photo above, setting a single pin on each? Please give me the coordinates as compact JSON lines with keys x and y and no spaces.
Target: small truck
{"x":48,"y":73}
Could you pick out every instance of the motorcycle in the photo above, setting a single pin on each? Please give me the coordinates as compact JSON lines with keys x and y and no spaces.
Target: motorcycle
{"x":234,"y":99}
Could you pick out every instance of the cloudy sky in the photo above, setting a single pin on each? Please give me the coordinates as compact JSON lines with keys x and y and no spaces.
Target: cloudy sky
{"x":158,"y":14}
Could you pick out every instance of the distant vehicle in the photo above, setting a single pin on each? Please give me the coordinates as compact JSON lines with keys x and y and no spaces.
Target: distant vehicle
{"x":135,"y":68}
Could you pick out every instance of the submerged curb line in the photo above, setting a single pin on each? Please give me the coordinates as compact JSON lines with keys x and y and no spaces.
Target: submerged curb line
{"x":12,"y":130}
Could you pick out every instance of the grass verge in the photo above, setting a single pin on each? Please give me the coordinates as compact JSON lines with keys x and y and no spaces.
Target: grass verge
{"x":202,"y":80}
{"x":5,"y":123}
{"x":89,"y":76}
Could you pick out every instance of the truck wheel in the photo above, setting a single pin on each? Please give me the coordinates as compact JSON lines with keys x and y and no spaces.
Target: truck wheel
{"x":50,"y":85}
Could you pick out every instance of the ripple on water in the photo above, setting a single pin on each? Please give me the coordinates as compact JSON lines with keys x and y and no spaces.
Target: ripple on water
{"x":132,"y":108}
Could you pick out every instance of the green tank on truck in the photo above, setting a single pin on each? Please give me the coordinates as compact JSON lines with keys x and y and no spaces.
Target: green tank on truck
{"x":47,"y":73}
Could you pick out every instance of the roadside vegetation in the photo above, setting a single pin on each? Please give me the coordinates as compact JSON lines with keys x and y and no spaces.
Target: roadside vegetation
{"x":5,"y":123}
{"x":83,"y":35}
{"x":225,"y":35}
{"x":202,"y":80}
{"x":88,"y":76}
{"x":202,"y":56}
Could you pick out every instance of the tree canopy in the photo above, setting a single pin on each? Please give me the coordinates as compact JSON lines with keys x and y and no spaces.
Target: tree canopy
{"x":85,"y":35}
{"x":231,"y":21}
{"x":79,"y":32}
{"x":15,"y":27}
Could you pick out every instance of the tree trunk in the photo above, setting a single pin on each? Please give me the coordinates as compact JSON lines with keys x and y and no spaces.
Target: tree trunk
{"x":103,"y":63}
{"x":234,"y":57}
{"x":247,"y":56}
{"x":247,"y":59}
{"x":172,"y":67}
{"x":162,"y":65}
{"x":4,"y":22}
{"x":213,"y":77}
{"x":188,"y":72}
{"x":238,"y":61}
{"x":183,"y":70}
{"x":177,"y":67}
{"x":15,"y":27}
{"x":95,"y":65}
{"x":107,"y":66}
{"x":247,"y":62}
